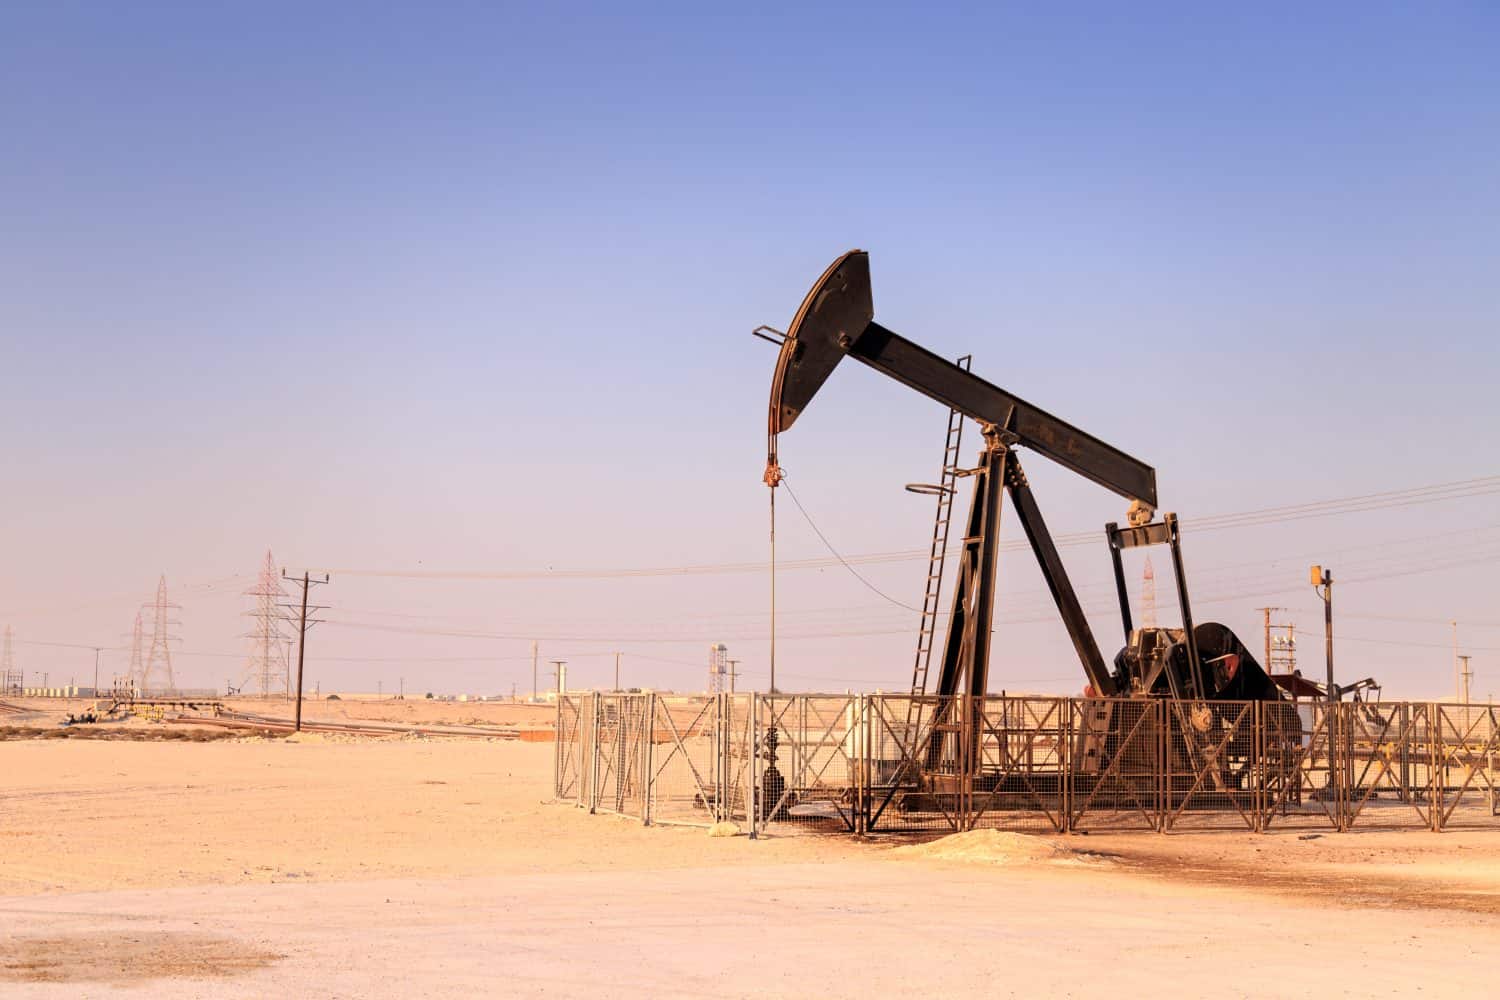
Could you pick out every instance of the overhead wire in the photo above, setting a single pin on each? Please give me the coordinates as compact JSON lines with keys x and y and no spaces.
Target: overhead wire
{"x":842,"y":561}
{"x":1414,"y":496}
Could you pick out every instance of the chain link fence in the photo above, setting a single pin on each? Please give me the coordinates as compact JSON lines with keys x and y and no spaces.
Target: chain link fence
{"x":783,"y":765}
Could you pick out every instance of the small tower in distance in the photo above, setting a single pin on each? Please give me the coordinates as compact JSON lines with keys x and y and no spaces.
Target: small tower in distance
{"x":718,"y":667}
{"x":1148,"y":596}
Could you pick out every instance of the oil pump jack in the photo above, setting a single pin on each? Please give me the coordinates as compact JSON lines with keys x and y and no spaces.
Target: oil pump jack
{"x":1205,"y":662}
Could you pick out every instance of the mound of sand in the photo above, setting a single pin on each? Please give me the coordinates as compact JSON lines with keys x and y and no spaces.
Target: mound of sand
{"x":995,"y":847}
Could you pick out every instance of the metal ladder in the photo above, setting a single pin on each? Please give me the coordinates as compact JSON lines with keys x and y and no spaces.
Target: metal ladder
{"x":937,"y":558}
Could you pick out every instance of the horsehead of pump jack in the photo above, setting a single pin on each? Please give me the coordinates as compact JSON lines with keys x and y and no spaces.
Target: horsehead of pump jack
{"x":1206,"y":662}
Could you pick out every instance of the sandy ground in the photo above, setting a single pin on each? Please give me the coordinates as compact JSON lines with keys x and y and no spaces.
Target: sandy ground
{"x":353,"y":867}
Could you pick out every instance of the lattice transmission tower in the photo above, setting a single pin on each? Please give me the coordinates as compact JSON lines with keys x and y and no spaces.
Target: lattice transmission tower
{"x":267,"y":667}
{"x":718,"y":667}
{"x":137,"y":641}
{"x":10,"y":677}
{"x":158,"y":663}
{"x":1148,"y":596}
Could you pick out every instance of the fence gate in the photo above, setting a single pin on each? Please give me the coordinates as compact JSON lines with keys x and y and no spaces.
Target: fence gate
{"x":1299,"y":771}
{"x":808,"y":767}
{"x":569,"y":749}
{"x":1115,"y":778}
{"x":1022,"y":757}
{"x":619,"y":754}
{"x":1389,"y":772}
{"x":911,"y":762}
{"x":1212,"y":761}
{"x":685,"y":761}
{"x":1469,"y":738}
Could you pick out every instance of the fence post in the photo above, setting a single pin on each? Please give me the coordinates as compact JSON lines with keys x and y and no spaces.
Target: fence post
{"x":721,"y":769}
{"x":1338,"y":757}
{"x":557,"y":753}
{"x":1167,"y":791}
{"x":861,"y":755}
{"x":650,"y":775}
{"x":1258,"y":764}
{"x":594,"y":765}
{"x":1405,"y":732}
{"x":726,"y":725}
{"x":1065,"y":765}
{"x":1346,"y":766}
{"x":753,"y":817}
{"x":1490,"y":762}
{"x":1439,"y":765}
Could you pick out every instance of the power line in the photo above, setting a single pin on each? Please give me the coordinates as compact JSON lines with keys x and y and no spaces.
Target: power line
{"x":1391,"y":499}
{"x":842,"y":561}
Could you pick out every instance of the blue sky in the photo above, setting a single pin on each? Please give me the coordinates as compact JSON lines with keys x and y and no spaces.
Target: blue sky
{"x":469,"y":289}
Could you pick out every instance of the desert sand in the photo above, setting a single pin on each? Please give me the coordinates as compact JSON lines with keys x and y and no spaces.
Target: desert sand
{"x":349,"y":866}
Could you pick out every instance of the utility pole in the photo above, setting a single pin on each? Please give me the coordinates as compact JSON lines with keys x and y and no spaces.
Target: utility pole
{"x":302,"y":626}
{"x":1323,"y":578}
{"x":617,"y":672}
{"x":533,"y":671}
{"x":1267,"y":613}
{"x":734,"y":672}
{"x":1468,"y":675}
{"x":560,"y":676}
{"x":97,"y":651}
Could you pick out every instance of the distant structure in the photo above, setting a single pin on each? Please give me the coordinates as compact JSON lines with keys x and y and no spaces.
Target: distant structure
{"x":10,"y":677}
{"x":156,"y":675}
{"x":1281,"y":646}
{"x":1148,"y":596}
{"x":267,"y":668}
{"x":1283,"y":655}
{"x":137,"y":669}
{"x":718,"y":667}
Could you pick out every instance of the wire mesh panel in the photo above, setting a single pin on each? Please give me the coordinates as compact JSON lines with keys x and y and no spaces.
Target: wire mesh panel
{"x":1389,"y":771}
{"x":1115,"y":777}
{"x":621,"y":728}
{"x":685,"y":761}
{"x":810,"y":749}
{"x":567,"y":765}
{"x":911,"y":777}
{"x":1299,"y":765}
{"x":588,"y":735}
{"x":1022,"y":758}
{"x":1212,"y":767}
{"x":737,"y":758}
{"x":1468,"y":765}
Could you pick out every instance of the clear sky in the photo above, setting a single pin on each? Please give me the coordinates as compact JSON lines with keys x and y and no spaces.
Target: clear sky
{"x":464,"y":287}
